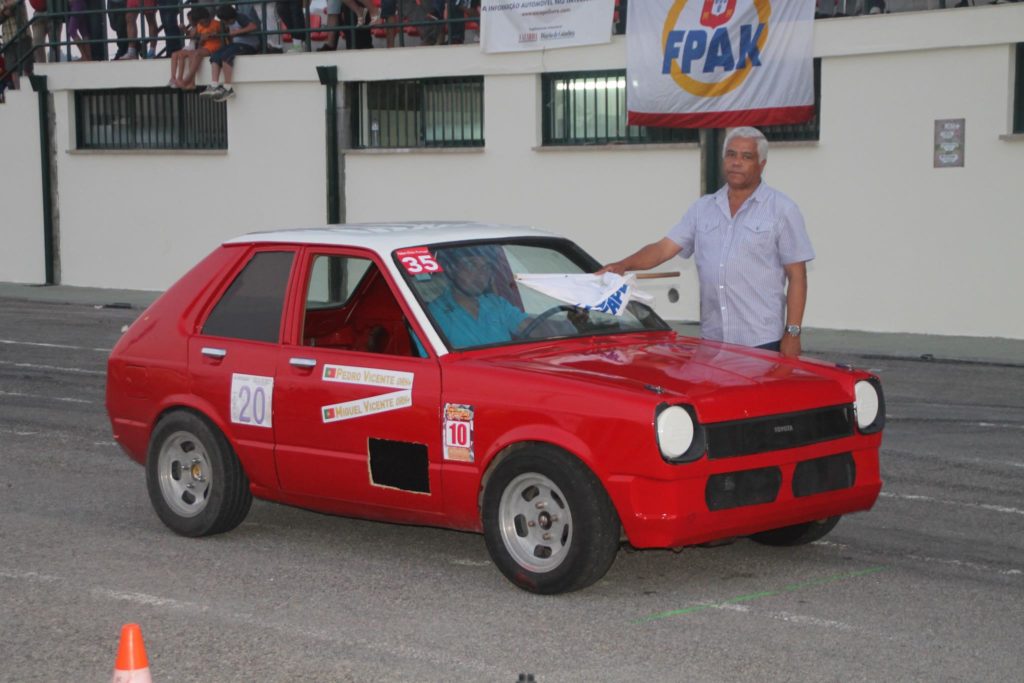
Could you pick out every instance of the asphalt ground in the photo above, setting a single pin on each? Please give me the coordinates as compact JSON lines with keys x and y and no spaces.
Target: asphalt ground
{"x":927,"y":586}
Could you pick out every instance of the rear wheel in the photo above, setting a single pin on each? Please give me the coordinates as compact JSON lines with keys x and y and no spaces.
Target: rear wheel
{"x":195,"y":482}
{"x":798,"y":534}
{"x":548,"y":523}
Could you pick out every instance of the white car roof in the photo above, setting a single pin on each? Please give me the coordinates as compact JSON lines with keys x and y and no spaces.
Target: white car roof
{"x":384,"y":238}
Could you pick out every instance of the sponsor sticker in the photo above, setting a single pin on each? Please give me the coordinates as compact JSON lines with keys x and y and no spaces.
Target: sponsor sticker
{"x":418,"y":261}
{"x":458,"y":432}
{"x":252,"y":400}
{"x":399,"y":382}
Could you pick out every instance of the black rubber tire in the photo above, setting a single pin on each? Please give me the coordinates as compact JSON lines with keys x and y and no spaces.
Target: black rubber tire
{"x":227,"y":498}
{"x":798,"y":534}
{"x":594,"y":539}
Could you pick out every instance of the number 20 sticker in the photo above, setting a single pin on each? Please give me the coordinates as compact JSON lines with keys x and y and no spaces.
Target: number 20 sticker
{"x":418,"y":261}
{"x":252,"y":400}
{"x":458,"y":432}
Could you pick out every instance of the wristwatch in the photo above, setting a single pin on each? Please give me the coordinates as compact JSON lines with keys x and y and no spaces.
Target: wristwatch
{"x":793,"y":330}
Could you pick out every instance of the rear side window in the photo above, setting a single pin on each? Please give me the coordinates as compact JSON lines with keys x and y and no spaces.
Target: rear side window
{"x":251,"y":307}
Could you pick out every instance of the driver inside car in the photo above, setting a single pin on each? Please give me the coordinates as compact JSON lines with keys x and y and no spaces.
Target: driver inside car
{"x":469,"y":312}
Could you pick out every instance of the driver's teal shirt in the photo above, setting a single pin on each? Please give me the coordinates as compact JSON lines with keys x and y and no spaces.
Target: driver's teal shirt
{"x":496,"y":321}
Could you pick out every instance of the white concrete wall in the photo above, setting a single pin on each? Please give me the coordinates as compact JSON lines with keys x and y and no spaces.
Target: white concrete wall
{"x":21,"y":190}
{"x":901,"y":246}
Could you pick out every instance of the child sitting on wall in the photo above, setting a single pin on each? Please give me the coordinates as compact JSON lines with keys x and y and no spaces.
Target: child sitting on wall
{"x":205,"y":32}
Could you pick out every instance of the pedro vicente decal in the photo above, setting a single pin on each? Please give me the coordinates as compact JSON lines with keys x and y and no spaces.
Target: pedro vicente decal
{"x":399,"y":397}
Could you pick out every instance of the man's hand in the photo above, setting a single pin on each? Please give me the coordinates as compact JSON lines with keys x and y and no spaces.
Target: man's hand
{"x":618,"y":268}
{"x":790,"y":346}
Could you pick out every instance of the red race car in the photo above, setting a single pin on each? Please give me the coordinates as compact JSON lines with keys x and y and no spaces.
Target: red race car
{"x":455,"y":375}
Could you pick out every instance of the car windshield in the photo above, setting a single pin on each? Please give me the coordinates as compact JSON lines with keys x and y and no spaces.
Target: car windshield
{"x":490,"y":293}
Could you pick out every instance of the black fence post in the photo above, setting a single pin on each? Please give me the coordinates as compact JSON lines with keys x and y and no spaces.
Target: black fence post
{"x":39,"y":86}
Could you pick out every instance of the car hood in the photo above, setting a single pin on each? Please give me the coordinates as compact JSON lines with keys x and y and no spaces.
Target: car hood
{"x":722,"y":381}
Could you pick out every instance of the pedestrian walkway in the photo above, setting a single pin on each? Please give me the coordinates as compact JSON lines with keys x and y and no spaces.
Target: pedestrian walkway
{"x":929,"y":347}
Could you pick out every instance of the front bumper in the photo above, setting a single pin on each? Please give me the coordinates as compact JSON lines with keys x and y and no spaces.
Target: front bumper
{"x":716,"y":499}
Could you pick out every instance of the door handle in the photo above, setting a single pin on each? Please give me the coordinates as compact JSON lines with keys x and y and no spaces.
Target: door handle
{"x":306,"y":363}
{"x":211,"y":352}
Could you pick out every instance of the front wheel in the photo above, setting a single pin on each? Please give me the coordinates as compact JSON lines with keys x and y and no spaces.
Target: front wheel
{"x":548,"y":523}
{"x":798,"y":534}
{"x":195,"y":482}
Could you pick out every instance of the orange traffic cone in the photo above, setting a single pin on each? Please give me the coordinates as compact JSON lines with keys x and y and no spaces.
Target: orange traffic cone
{"x":131,"y":666}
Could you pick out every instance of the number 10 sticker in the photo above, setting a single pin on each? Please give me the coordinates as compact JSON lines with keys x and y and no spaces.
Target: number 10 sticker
{"x":458,"y":432}
{"x":252,"y":400}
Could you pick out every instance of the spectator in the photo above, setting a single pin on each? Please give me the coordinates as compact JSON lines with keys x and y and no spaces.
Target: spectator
{"x":5,"y":78}
{"x":402,"y":11}
{"x":119,"y":25}
{"x":356,"y":37}
{"x":172,"y":31}
{"x":333,"y":15}
{"x":48,"y":30}
{"x":78,"y":29}
{"x":361,"y":14}
{"x":751,"y":249}
{"x":205,"y":32}
{"x":290,"y":12}
{"x":135,"y":47}
{"x":455,"y":13}
{"x":365,"y":10}
{"x":16,"y":51}
{"x":240,"y":27}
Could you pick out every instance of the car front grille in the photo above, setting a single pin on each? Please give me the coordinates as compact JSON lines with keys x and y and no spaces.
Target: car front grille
{"x":776,"y":432}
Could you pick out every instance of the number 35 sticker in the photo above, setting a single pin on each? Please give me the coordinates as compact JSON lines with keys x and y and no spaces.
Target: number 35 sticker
{"x":418,"y":260}
{"x":252,"y":400}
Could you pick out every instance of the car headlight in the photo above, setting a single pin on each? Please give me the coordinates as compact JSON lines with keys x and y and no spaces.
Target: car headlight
{"x":869,"y":405}
{"x":680,"y":437}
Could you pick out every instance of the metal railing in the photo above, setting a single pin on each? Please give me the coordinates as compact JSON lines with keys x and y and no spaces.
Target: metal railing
{"x":20,"y":60}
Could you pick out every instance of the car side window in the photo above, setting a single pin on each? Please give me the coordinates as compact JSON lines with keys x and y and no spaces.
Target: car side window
{"x":349,"y":306}
{"x":251,"y":307}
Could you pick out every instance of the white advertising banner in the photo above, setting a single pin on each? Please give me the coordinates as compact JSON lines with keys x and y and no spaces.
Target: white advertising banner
{"x":519,"y":25}
{"x":720,"y":63}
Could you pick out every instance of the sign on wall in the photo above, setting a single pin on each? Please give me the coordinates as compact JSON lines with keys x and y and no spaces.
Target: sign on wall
{"x":949,"y":143}
{"x":518,"y":25}
{"x":720,"y":63}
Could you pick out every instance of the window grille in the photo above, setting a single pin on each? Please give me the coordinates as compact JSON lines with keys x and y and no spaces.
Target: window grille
{"x":149,"y":118}
{"x":589,"y":108}
{"x":428,"y":112}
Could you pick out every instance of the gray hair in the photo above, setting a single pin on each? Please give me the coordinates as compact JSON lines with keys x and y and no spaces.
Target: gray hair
{"x":748,"y":132}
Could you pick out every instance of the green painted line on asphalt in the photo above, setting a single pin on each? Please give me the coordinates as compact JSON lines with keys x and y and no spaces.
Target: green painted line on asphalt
{"x":793,"y":587}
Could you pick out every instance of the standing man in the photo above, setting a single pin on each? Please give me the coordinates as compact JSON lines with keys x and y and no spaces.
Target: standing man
{"x":751,"y":250}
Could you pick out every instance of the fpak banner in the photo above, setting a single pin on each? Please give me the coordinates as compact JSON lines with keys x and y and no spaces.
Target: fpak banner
{"x":720,"y":63}
{"x":519,"y":25}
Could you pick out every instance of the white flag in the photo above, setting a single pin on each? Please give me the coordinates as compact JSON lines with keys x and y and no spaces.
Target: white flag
{"x":607,"y":292}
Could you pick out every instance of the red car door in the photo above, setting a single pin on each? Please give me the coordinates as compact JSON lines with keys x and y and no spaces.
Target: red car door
{"x":233,"y":357}
{"x":357,"y":412}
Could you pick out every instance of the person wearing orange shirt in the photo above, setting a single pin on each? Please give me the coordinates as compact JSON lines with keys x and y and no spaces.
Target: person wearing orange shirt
{"x":205,"y":32}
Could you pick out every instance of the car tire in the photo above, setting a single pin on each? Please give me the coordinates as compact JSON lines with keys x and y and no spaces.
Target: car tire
{"x":196,"y":484}
{"x":798,"y":534}
{"x":548,"y":523}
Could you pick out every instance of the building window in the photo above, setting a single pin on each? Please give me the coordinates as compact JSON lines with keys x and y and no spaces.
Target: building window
{"x":428,"y":112}
{"x":149,"y":118}
{"x":1018,"y":95}
{"x":809,"y":130}
{"x":589,"y":108}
